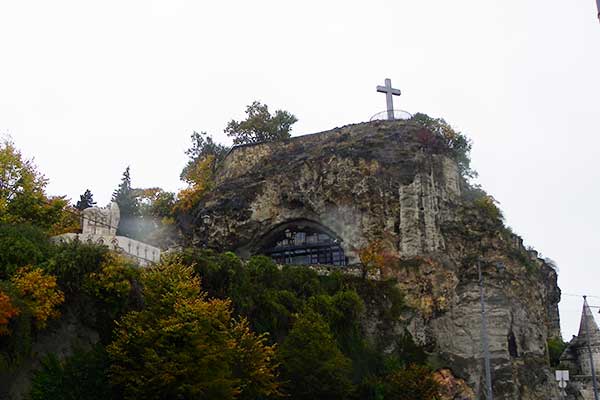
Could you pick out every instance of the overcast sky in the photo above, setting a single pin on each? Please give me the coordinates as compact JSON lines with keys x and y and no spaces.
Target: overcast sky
{"x":88,"y":88}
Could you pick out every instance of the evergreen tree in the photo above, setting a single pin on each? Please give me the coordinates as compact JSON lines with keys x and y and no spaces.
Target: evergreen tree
{"x":86,"y":200}
{"x":128,"y":203}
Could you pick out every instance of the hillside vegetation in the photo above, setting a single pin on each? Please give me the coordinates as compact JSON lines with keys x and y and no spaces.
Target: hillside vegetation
{"x":199,"y":325}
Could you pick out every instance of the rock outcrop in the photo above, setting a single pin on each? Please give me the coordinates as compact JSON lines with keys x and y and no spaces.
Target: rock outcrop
{"x":383,"y":181}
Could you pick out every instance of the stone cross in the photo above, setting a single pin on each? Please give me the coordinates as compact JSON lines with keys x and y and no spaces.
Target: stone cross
{"x":389,"y":92}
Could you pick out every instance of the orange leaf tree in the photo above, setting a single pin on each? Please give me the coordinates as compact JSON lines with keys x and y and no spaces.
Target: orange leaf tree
{"x":39,"y":293}
{"x":200,"y":178}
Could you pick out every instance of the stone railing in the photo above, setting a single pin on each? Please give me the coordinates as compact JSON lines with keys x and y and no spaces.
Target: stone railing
{"x":143,"y":253}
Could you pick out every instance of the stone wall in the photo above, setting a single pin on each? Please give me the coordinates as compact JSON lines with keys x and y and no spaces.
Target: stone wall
{"x":144,"y":254}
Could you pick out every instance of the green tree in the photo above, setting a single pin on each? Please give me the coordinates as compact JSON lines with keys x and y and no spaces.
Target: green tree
{"x":86,"y":200}
{"x":22,"y":196}
{"x":22,"y":245}
{"x":203,"y":146}
{"x":73,"y":261}
{"x":313,"y":366}
{"x":155,"y":203}
{"x":156,"y":224}
{"x":260,"y":125}
{"x":128,"y":203}
{"x":204,"y":157}
{"x":182,"y":345}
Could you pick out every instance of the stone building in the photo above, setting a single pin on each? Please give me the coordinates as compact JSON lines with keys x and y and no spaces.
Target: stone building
{"x":99,"y":226}
{"x":318,"y":199}
{"x":576,"y":357}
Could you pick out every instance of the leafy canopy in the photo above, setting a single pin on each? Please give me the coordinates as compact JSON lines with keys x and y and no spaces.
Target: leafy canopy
{"x":182,"y":345}
{"x":22,"y":196}
{"x":260,"y":125}
{"x":205,"y":155}
{"x":40,"y":293}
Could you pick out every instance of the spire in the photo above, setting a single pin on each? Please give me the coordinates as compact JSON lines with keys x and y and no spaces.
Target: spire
{"x":587,"y":315}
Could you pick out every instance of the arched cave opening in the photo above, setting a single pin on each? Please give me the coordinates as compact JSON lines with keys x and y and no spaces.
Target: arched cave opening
{"x":303,"y":242}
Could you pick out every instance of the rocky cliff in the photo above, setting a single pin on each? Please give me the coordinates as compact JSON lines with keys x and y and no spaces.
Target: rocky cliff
{"x":388,"y":181}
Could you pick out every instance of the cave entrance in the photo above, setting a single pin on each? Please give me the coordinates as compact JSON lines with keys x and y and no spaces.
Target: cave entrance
{"x":304,"y":243}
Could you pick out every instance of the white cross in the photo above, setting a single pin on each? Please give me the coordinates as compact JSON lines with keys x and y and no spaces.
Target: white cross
{"x":389,"y":92}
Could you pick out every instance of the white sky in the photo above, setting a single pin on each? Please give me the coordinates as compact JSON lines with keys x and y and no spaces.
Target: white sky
{"x":88,"y":88}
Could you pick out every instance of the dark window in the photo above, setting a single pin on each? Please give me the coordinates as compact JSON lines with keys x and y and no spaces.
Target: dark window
{"x":304,"y":246}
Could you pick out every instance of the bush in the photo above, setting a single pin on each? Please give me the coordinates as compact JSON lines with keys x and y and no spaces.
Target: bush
{"x":487,"y":204}
{"x":411,"y":383}
{"x":442,"y":137}
{"x":556,"y":346}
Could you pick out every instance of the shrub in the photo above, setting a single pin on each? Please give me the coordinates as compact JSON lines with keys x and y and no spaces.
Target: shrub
{"x":445,"y":138}
{"x":487,"y":204}
{"x":556,"y":346}
{"x":411,"y":383}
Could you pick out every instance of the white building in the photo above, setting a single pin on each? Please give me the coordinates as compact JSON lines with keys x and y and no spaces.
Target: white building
{"x":99,"y":226}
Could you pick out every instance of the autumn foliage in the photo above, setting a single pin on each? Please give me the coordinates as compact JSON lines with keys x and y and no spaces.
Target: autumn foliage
{"x":200,"y":178}
{"x":7,"y":311}
{"x":374,"y":257}
{"x":39,"y":292}
{"x":183,"y":345}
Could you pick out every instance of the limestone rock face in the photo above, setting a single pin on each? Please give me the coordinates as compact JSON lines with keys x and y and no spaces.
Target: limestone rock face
{"x":381,"y":181}
{"x":359,"y":181}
